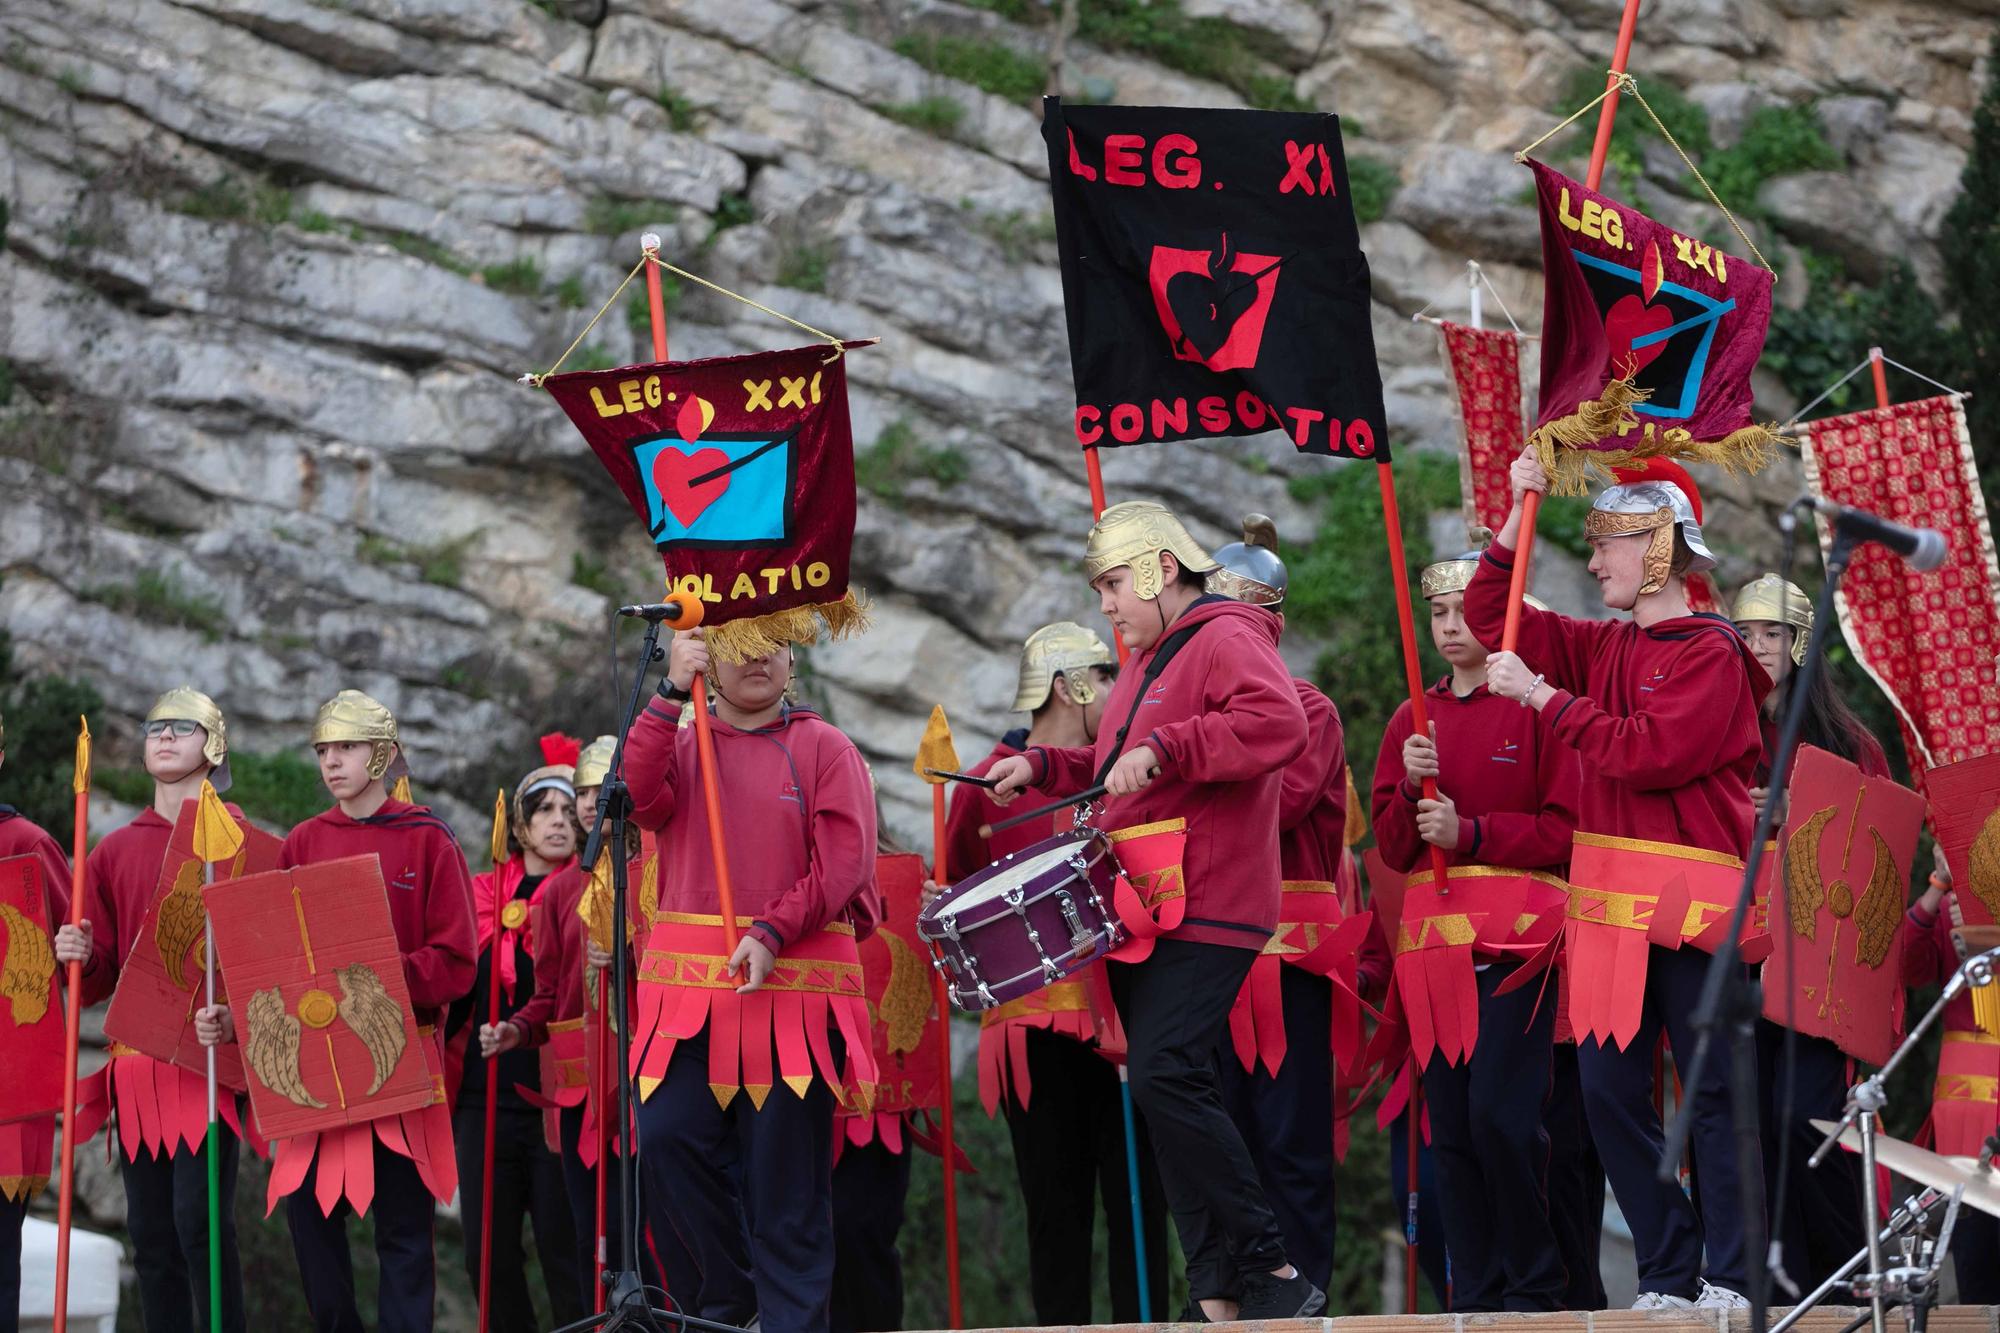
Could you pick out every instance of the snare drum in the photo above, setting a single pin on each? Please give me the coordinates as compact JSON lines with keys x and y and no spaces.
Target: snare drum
{"x":1026,"y":921}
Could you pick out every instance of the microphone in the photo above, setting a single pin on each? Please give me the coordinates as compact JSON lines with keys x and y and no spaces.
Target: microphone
{"x":656,"y":612}
{"x":1922,"y":548}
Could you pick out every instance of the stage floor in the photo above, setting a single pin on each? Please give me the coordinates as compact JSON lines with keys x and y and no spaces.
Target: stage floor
{"x":1825,"y":1319}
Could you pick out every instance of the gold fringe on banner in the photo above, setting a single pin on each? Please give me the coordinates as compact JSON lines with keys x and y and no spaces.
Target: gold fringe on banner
{"x":1565,"y":444}
{"x":1986,"y":1009}
{"x":760,"y":636}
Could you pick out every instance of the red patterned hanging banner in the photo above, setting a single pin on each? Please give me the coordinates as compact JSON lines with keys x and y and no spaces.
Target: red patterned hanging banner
{"x":1930,"y":640}
{"x":1482,"y":368}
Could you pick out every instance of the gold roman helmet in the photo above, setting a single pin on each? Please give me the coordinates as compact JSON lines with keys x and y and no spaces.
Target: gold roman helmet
{"x":1455,"y":575}
{"x":594,"y":764}
{"x":1250,"y":569}
{"x":561,"y":777}
{"x":185,"y":703}
{"x":1064,"y":647}
{"x":1780,"y":602}
{"x":1134,"y":533}
{"x":353,"y":716}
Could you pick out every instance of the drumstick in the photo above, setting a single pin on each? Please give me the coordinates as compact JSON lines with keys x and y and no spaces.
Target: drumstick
{"x":943,"y":776}
{"x":1084,"y":797}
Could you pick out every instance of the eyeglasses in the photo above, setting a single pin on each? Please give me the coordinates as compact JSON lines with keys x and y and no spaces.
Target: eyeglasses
{"x":171,"y":726}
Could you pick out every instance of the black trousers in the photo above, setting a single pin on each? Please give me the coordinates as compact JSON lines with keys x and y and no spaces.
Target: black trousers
{"x":405,"y":1215}
{"x":12,"y":1215}
{"x":1287,"y":1122}
{"x":1492,"y":1154}
{"x":580,"y":1183}
{"x":870,"y":1187}
{"x":1175,"y":1006}
{"x":1576,"y":1185}
{"x":1820,"y":1221}
{"x":527,"y":1187}
{"x":762,"y":1249}
{"x":1667,"y":1233}
{"x":166,"y":1214}
{"x":1069,"y":1152}
{"x":1975,"y":1257}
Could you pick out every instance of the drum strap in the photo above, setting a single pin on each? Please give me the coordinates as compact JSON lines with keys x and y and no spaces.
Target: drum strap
{"x":1169,"y":646}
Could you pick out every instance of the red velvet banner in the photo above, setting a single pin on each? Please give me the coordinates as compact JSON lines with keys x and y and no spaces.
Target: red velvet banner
{"x":1483,"y":371}
{"x":1930,"y":640}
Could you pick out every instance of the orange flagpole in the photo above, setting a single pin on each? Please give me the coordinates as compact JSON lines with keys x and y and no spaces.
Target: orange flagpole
{"x":72,"y":1027}
{"x":1531,"y":503}
{"x":1881,"y":380}
{"x":704,"y":738}
{"x":950,"y":1153}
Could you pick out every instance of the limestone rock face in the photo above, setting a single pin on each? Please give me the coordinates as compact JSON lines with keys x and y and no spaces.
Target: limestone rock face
{"x":272,"y":267}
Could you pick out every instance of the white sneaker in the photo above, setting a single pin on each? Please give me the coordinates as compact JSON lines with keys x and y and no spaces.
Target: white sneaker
{"x":1654,"y":1300}
{"x":1720,"y":1298}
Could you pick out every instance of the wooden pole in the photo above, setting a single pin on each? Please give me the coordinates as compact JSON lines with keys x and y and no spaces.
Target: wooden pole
{"x":950,"y":1145}
{"x":72,"y":1028}
{"x":704,"y":738}
{"x":1531,"y":503}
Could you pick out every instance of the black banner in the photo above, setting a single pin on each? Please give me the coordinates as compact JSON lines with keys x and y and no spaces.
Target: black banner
{"x":1213,"y":277}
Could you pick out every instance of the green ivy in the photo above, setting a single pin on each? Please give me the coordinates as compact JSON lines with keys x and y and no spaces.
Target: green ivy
{"x":521,"y":277}
{"x":993,"y":66}
{"x":1371,"y":184}
{"x":935,"y":114}
{"x":1777,"y":141}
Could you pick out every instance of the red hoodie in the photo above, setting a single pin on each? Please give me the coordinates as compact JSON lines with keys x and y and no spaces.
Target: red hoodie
{"x":430,"y":892}
{"x":21,"y":836}
{"x":798,"y":808}
{"x":120,"y":876}
{"x":1664,"y":717}
{"x":1312,"y":795}
{"x":969,"y":808}
{"x":1515,"y":785}
{"x":1224,"y":719}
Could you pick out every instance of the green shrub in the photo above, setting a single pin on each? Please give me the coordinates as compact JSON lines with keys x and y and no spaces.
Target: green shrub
{"x":896,"y":457}
{"x":607,"y":216}
{"x":804,"y":266}
{"x":1970,"y":242}
{"x":159,"y":595}
{"x":935,"y":114}
{"x":639,"y":310}
{"x":680,"y":111}
{"x":1777,"y":141}
{"x":1372,"y":185}
{"x":569,"y":292}
{"x":732,"y":210}
{"x":587,"y":572}
{"x":993,"y":66}
{"x":1273,"y":92}
{"x":521,"y":277}
{"x":1632,"y":131}
{"x":281,"y":789}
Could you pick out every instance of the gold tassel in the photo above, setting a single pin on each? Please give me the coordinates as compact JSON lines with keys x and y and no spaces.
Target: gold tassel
{"x":1565,"y":444}
{"x":759,"y":636}
{"x":1986,"y":1008}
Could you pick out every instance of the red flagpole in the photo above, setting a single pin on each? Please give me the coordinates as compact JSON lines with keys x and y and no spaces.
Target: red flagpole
{"x":1881,"y":380}
{"x":704,"y":739}
{"x":1531,"y":503}
{"x":600,"y":1088}
{"x":72,"y":1029}
{"x":944,"y":1069}
{"x":492,"y":1108}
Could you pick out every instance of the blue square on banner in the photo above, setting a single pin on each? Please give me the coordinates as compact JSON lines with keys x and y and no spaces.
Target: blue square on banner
{"x":727,"y":489}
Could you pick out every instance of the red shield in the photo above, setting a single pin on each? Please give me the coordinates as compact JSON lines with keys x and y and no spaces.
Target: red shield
{"x":160,"y":986}
{"x":1151,"y":894}
{"x":1965,"y":812}
{"x":31,"y":1004}
{"x":1846,"y":870}
{"x":902,"y":1000}
{"x":321,"y":1008}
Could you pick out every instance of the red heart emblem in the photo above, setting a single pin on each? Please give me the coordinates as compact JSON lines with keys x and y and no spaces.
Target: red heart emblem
{"x":1630,"y":317}
{"x":674,"y":476}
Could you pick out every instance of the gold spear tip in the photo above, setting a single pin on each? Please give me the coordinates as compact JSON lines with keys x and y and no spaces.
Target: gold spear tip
{"x":936,"y":750}
{"x":499,"y":847}
{"x":217,"y":837}
{"x":80,"y":783}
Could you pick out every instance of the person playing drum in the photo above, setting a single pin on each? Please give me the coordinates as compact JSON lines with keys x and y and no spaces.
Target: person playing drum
{"x":1038,"y":1055}
{"x":1206,"y":720}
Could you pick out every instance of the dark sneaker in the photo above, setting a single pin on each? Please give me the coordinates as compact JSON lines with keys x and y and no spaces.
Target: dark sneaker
{"x":1193,"y":1313}
{"x":1268,"y":1297}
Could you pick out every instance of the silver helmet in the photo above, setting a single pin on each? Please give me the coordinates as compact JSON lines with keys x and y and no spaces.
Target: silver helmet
{"x":1250,"y":569}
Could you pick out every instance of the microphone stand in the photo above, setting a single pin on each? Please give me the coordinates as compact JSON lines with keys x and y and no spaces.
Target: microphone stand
{"x":1730,"y":996}
{"x":627,"y":1303}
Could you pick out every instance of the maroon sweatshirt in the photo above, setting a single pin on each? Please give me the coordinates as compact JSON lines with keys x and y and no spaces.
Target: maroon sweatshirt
{"x":1664,"y":717}
{"x":120,"y":876}
{"x":1515,"y":785}
{"x":798,"y":808}
{"x":21,"y":836}
{"x":968,"y":808}
{"x":1224,"y":719}
{"x":1312,"y":795}
{"x":430,"y":892}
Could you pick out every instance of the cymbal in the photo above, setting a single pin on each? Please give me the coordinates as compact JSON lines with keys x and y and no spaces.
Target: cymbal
{"x":1982,"y":1188}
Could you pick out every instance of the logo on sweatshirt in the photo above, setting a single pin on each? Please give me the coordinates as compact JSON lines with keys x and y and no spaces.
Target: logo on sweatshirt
{"x":1156,"y":695}
{"x":1508,"y":752}
{"x":790,"y":792}
{"x":406,"y":878}
{"x":1654,"y":683}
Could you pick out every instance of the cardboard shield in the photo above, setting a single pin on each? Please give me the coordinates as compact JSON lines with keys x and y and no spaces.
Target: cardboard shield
{"x":1847,"y":851}
{"x":31,"y":1005}
{"x":1151,"y":893}
{"x":160,"y":986}
{"x":902,"y":1002}
{"x":1965,"y":812}
{"x":322,"y":1009}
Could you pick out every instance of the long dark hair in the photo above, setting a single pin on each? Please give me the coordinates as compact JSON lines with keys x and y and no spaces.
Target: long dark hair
{"x":1830,"y":724}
